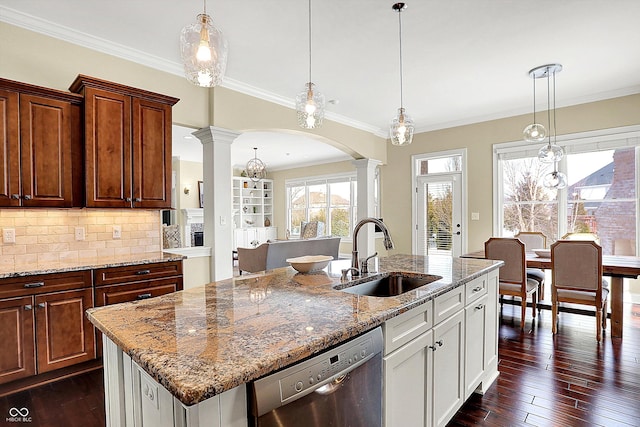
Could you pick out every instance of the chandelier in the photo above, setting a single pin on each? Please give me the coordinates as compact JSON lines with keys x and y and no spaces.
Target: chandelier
{"x":204,"y":51}
{"x":401,"y":127}
{"x":550,"y":152}
{"x":256,"y":169}
{"x":310,"y":102}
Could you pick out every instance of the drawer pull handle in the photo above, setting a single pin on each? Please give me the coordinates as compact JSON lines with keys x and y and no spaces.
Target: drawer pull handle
{"x":34,"y":285}
{"x":143,"y":296}
{"x":439,"y":343}
{"x":15,"y":196}
{"x":433,"y":347}
{"x":477,"y":289}
{"x":127,"y":199}
{"x":479,"y":306}
{"x":27,"y":197}
{"x":28,"y":307}
{"x":137,"y":199}
{"x":41,"y":305}
{"x":141,"y":272}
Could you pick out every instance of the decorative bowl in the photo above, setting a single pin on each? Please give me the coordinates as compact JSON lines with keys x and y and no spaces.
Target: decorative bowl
{"x":543,"y":253}
{"x":305,"y":264}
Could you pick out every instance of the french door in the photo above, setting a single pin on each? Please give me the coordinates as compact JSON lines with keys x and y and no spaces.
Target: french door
{"x":439,"y":214}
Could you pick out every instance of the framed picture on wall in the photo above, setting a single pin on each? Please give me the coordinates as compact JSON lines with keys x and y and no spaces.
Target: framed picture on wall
{"x":201,"y":193}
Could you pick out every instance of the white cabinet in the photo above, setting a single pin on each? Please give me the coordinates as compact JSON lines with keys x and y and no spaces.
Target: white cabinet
{"x":440,"y":352}
{"x":481,"y":320}
{"x":406,"y":377}
{"x":254,"y":236}
{"x":447,"y":393}
{"x":134,"y":399}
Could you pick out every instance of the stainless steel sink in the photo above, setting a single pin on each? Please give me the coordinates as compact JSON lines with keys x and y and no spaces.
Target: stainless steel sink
{"x":392,"y":285}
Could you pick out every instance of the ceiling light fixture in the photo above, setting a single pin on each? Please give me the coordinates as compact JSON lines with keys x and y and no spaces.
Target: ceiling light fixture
{"x":550,"y":152}
{"x":535,"y":132}
{"x":256,"y":169}
{"x":310,"y":102}
{"x":401,"y":128}
{"x":204,"y":51}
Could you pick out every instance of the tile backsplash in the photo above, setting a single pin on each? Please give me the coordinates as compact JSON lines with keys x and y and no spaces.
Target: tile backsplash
{"x":43,"y":235}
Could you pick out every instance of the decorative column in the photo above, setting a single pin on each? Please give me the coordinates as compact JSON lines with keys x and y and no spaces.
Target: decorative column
{"x":217,"y":173}
{"x":365,"y":175}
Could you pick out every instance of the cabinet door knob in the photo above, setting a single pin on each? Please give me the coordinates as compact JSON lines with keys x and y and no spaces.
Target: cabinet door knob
{"x":28,"y":307}
{"x":127,"y":199}
{"x":439,"y":343}
{"x":137,"y":199}
{"x":27,"y":196}
{"x":15,"y":196}
{"x":479,"y":306}
{"x":41,"y":305}
{"x":34,"y":285}
{"x":433,"y":347}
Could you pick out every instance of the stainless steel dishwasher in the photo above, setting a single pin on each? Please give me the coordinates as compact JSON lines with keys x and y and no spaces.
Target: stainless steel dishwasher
{"x":340,"y":387}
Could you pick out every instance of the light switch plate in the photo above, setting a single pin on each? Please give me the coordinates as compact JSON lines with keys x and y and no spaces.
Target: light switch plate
{"x":8,"y":235}
{"x":117,"y":232}
{"x":79,"y":233}
{"x":475,"y":216}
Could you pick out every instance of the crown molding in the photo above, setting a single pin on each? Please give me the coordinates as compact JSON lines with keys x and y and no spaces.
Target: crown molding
{"x":38,"y":25}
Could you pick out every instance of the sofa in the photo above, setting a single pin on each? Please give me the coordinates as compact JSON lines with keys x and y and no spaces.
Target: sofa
{"x":275,"y":254}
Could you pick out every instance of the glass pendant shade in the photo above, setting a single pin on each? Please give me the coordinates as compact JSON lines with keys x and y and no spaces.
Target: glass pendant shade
{"x":535,"y":132}
{"x":256,"y":169}
{"x":556,"y":180}
{"x":310,"y":107}
{"x":204,"y":52}
{"x":401,"y":128}
{"x":550,"y":153}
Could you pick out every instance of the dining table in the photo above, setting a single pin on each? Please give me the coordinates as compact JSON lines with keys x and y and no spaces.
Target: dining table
{"x":617,"y":267}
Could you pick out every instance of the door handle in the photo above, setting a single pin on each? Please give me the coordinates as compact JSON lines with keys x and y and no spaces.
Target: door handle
{"x":34,"y":285}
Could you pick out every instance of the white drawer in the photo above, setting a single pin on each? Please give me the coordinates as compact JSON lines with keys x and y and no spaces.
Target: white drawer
{"x":447,"y":304}
{"x":401,"y":329}
{"x":476,"y":288}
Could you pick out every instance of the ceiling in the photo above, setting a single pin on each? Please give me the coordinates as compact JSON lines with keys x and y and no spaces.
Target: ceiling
{"x":464,"y":60}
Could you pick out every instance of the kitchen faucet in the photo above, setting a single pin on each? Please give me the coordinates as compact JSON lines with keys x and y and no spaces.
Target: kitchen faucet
{"x":388,"y":243}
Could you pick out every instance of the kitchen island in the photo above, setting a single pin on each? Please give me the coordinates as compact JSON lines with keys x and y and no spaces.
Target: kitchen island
{"x":212,"y":340}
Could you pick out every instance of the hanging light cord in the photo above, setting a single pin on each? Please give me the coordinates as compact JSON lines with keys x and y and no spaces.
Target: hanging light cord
{"x":204,"y":7}
{"x":534,"y":99}
{"x":310,"y":42}
{"x":555,"y":132}
{"x":400,"y":38}
{"x":549,"y":106}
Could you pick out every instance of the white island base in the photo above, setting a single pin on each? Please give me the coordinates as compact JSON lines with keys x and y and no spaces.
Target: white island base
{"x":134,"y":399}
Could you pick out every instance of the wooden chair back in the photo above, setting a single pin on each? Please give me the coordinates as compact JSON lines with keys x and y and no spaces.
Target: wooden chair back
{"x":532,"y":240}
{"x":577,"y":265}
{"x":581,"y":236}
{"x":511,"y":251}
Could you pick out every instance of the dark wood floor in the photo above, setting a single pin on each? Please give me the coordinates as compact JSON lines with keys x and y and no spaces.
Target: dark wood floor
{"x":563,"y":380}
{"x":566,"y":380}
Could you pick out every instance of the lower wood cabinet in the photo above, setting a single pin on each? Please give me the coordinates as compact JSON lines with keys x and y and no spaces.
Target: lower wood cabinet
{"x":44,"y":326}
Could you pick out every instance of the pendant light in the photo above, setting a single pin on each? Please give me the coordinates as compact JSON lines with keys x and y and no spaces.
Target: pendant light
{"x":401,"y":127}
{"x":535,"y":132}
{"x":550,"y":152}
{"x":310,"y":102}
{"x":204,"y":51}
{"x":256,"y":169}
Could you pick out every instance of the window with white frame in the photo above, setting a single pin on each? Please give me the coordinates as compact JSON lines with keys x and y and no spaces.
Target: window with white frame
{"x":602,"y":171}
{"x":330,"y":199}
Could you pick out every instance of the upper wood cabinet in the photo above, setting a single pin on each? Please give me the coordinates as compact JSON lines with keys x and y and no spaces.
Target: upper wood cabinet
{"x":40,"y":143}
{"x":127,"y":145}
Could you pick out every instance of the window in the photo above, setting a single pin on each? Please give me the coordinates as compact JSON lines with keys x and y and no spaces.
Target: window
{"x":331,"y":200}
{"x":600,"y":198}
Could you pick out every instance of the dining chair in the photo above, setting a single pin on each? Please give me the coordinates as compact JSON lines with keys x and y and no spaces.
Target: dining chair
{"x":576,"y":271}
{"x":513,"y":278}
{"x":581,"y":236}
{"x":534,"y":240}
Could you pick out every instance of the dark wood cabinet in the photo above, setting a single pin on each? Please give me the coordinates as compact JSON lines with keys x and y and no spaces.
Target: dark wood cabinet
{"x":44,"y":326}
{"x":39,"y":131}
{"x":17,"y":335}
{"x":127,"y":145}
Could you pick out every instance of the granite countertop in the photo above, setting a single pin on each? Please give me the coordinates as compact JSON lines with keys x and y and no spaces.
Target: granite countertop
{"x":203,"y":341}
{"x":21,"y":270}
